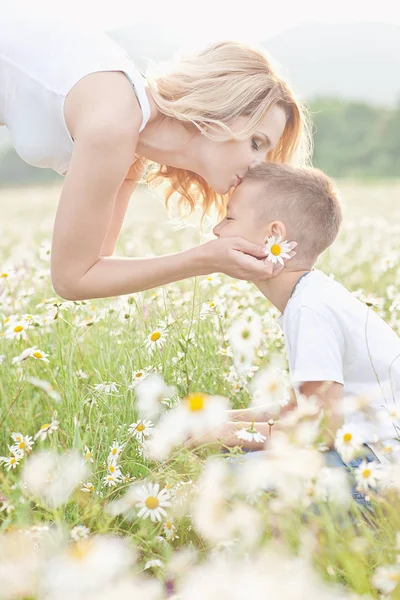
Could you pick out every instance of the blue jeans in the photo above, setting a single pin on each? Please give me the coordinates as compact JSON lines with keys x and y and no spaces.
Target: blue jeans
{"x":333,"y":459}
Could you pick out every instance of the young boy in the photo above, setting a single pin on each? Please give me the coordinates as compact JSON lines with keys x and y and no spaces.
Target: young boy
{"x":336,"y":346}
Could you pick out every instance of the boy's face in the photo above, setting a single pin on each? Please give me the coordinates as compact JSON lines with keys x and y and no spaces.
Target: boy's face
{"x":243,"y":217}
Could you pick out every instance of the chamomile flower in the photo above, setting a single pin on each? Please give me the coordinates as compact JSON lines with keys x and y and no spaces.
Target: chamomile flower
{"x":386,"y":578}
{"x":113,"y":477}
{"x":155,"y":340}
{"x":23,"y":443}
{"x":366,"y":475}
{"x":88,"y":454}
{"x":277,"y":249}
{"x":79,"y":532}
{"x":88,"y":488}
{"x":46,"y":429}
{"x":250,"y":435}
{"x":46,"y":387}
{"x":152,"y":502}
{"x":138,"y":376}
{"x":17,"y":330}
{"x":115,"y":451}
{"x":31,"y":353}
{"x":348,"y":442}
{"x":106,"y":388}
{"x":12,"y":461}
{"x":169,"y":529}
{"x":141,"y":429}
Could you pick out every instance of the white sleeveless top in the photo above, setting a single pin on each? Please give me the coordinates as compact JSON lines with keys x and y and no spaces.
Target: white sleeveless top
{"x":40,"y":61}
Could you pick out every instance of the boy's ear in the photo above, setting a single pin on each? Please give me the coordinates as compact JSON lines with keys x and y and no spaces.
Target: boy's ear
{"x":276,"y":229}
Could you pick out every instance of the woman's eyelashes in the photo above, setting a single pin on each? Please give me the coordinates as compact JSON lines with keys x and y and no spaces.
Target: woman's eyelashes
{"x":255,"y":145}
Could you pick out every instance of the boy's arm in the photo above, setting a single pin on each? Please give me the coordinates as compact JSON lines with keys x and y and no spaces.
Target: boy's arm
{"x":329,"y":394}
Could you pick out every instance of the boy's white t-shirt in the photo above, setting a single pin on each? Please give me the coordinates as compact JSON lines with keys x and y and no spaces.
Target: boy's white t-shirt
{"x":330,"y":335}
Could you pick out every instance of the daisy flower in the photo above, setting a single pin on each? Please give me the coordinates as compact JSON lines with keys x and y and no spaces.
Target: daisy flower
{"x":348,"y":442}
{"x":152,"y":502}
{"x":244,"y":333}
{"x":46,"y":429}
{"x":367,"y":475}
{"x":155,"y":340}
{"x":137,"y":377}
{"x":250,"y":435}
{"x":12,"y":461}
{"x":113,"y":477}
{"x":23,"y":443}
{"x":88,"y":488}
{"x":386,"y":578}
{"x":169,"y":529}
{"x":106,"y":388}
{"x":46,"y":387}
{"x":156,"y":562}
{"x":88,"y":456}
{"x":213,"y":279}
{"x":277,"y":250}
{"x":150,"y":395}
{"x":17,"y":331}
{"x":79,"y":532}
{"x":33,"y":352}
{"x":141,"y":429}
{"x":115,"y":451}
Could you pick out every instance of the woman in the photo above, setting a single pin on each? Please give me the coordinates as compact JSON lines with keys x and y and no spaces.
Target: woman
{"x":66,"y":95}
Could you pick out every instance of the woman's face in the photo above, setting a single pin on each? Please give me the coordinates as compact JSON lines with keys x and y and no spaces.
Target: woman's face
{"x":224,"y":164}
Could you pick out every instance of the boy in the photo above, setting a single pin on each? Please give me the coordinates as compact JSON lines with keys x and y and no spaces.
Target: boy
{"x":336,"y":345}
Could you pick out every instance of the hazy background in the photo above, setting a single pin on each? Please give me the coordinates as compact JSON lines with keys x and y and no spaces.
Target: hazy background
{"x":343,"y":58}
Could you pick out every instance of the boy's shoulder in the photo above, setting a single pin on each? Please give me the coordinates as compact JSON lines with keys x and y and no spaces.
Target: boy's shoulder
{"x":323,"y":294}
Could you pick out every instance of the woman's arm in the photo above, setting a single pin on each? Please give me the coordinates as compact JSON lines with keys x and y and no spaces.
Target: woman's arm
{"x":105,"y":144}
{"x":120,"y":206}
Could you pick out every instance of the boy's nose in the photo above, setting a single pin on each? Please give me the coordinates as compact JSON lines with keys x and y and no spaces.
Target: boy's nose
{"x":216,"y":230}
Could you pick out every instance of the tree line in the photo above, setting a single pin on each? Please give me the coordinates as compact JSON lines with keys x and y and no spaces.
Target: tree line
{"x":351,"y":139}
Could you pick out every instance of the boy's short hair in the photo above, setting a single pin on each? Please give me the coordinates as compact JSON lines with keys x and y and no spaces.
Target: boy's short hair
{"x":305,"y":200}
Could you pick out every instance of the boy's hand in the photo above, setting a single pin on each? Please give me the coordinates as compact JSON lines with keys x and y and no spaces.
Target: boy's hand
{"x":214,"y":438}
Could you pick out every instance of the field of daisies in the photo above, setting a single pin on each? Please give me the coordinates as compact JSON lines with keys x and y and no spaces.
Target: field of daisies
{"x":100,"y":497}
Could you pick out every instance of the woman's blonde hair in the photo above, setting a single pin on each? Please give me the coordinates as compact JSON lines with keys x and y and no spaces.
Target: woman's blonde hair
{"x":210,"y":88}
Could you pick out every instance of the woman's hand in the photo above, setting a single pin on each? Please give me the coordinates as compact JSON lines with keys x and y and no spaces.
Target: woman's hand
{"x":241,"y":259}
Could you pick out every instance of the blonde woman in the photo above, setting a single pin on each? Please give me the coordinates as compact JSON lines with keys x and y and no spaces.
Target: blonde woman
{"x":73,"y":101}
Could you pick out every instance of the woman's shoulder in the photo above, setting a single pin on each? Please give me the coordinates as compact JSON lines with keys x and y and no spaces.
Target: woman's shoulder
{"x":103,"y":102}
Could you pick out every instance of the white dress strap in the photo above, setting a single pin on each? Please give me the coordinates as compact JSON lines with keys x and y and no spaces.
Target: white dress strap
{"x":139,"y":85}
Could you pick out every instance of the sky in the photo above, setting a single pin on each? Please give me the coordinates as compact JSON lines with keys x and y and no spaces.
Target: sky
{"x":248,"y":20}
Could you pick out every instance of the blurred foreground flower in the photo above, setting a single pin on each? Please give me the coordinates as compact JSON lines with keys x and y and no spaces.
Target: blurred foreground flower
{"x":52,"y":477}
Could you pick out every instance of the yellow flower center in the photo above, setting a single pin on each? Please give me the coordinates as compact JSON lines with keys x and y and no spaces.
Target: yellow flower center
{"x":155,"y":336}
{"x":275,"y":250}
{"x":80,"y":549}
{"x":138,"y":375}
{"x":13,"y":460}
{"x":18,"y":328}
{"x":394,"y":576}
{"x":366,"y":473}
{"x":168,"y":525}
{"x":347,"y":437}
{"x":4,"y":275}
{"x":212,"y":304}
{"x":152,"y":502}
{"x":88,"y":455}
{"x":114,"y":451}
{"x":45,"y":426}
{"x":37,"y":355}
{"x":273,"y":386}
{"x":140,"y":427}
{"x":196,"y":402}
{"x":111,"y":469}
{"x":21,"y":445}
